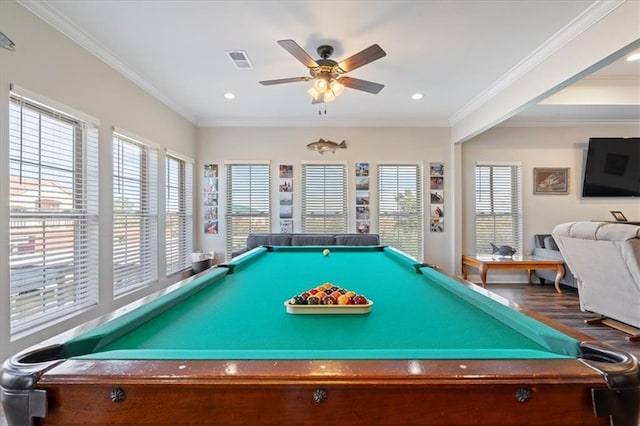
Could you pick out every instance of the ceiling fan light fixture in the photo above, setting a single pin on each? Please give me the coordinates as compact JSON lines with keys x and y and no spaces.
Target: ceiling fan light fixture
{"x":336,"y":87}
{"x":320,"y":85}
{"x":314,"y":93}
{"x":329,"y":96}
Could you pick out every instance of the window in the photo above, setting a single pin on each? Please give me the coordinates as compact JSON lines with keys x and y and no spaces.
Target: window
{"x":179,"y":213}
{"x":135,"y":214}
{"x":400,"y":220}
{"x":248,"y":203}
{"x":53,"y":202}
{"x":498,"y":206}
{"x":324,"y":198}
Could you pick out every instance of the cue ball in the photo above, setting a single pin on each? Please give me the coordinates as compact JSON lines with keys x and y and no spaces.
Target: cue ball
{"x":326,"y":252}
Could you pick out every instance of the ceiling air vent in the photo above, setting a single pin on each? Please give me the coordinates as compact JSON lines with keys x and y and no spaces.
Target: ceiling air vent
{"x":240,"y":59}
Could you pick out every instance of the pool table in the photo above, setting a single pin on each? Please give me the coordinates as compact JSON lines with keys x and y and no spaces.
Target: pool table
{"x":220,"y":348}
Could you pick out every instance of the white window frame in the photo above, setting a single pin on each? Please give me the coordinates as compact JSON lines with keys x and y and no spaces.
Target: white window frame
{"x":324,"y":198}
{"x":248,"y":202}
{"x":53,"y":155}
{"x":498,"y":205}
{"x":135,"y":213}
{"x":178,"y":233}
{"x":406,"y":226}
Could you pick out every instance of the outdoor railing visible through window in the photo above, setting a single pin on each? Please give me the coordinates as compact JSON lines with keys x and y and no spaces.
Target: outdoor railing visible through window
{"x":324,"y":198}
{"x":400,"y":219}
{"x":135,"y":213}
{"x":53,"y":202}
{"x":179,"y":213}
{"x":248,"y":203}
{"x":498,"y":217}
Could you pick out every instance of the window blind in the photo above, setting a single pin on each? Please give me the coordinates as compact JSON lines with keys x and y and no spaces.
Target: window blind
{"x":324,"y":198}
{"x":135,"y":215}
{"x":179,"y":214}
{"x":498,"y":217}
{"x":248,"y":207}
{"x":53,"y":220}
{"x":400,"y":219}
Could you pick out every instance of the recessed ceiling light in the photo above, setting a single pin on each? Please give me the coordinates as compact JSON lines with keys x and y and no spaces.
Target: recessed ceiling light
{"x":633,"y":57}
{"x":416,"y":96}
{"x":229,"y":95}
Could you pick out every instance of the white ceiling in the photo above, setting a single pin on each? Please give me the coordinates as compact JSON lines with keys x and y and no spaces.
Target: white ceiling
{"x":453,"y":52}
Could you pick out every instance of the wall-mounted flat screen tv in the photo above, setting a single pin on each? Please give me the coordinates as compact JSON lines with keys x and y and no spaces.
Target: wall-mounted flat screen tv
{"x":612,"y":168}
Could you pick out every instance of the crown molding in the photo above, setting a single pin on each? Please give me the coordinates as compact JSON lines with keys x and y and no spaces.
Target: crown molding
{"x":320,"y":123}
{"x":570,"y":123}
{"x":577,"y":26}
{"x":48,"y":13}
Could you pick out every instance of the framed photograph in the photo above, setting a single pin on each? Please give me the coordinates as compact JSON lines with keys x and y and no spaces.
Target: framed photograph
{"x":550,"y":181}
{"x":618,"y":216}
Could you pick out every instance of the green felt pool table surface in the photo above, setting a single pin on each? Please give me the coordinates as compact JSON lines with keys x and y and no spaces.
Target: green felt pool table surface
{"x":239,"y":313}
{"x":220,"y":348}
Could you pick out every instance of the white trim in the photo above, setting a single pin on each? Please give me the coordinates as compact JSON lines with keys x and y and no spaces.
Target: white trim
{"x":323,"y":122}
{"x":50,"y":104}
{"x":241,"y":162}
{"x":325,"y":163}
{"x":573,"y":29}
{"x":514,"y":122}
{"x":48,"y":13}
{"x":498,"y":163}
{"x":401,"y":163}
{"x":179,"y":156}
{"x":135,"y":138}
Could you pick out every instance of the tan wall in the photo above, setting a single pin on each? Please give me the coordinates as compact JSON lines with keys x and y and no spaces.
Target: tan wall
{"x":542,"y":147}
{"x":49,"y":64}
{"x":288,"y":146}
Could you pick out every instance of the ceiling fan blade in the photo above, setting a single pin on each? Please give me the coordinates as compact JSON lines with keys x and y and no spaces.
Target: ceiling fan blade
{"x":285,"y":80}
{"x":364,"y":85}
{"x":363,"y":57}
{"x":298,"y":52}
{"x":317,"y":101}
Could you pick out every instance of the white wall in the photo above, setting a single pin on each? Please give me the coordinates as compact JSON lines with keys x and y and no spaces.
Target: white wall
{"x":288,"y":146}
{"x":49,"y":64}
{"x":542,"y":147}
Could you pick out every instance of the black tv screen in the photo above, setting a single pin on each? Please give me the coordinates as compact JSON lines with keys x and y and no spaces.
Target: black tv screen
{"x":612,"y":168}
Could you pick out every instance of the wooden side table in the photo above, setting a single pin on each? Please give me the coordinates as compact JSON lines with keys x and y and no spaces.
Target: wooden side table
{"x":484,"y":262}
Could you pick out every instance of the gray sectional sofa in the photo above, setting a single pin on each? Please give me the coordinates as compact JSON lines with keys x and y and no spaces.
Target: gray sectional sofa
{"x":276,"y":239}
{"x":545,"y":246}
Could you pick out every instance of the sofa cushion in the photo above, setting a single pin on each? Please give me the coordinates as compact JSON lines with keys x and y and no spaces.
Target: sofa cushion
{"x":313,"y":240}
{"x":550,"y":243}
{"x":357,"y":240}
{"x":257,"y":240}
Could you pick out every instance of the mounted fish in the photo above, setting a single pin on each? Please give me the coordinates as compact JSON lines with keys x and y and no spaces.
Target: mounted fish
{"x":323,"y":146}
{"x":506,"y":251}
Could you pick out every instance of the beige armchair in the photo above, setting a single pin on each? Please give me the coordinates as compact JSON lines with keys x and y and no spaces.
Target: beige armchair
{"x":605,"y":259}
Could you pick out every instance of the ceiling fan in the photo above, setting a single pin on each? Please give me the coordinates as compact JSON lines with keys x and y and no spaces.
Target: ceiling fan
{"x":328,"y":75}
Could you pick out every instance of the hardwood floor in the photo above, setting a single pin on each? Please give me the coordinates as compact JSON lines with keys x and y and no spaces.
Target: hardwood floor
{"x":563,"y":308}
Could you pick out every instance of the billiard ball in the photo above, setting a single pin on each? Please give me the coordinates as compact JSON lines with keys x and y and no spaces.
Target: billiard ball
{"x":360,"y":300}
{"x":326,"y":252}
{"x":298,"y":300}
{"x":329,"y":300}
